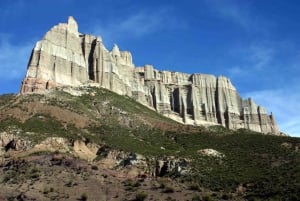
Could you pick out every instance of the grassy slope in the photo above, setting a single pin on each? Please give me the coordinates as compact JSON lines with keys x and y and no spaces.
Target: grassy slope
{"x":258,"y":163}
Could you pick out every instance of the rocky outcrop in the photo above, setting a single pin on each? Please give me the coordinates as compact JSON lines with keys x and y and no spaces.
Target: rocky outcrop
{"x":210,"y":153}
{"x":171,"y":165}
{"x":157,"y":167}
{"x":57,"y":59}
{"x":66,"y":57}
{"x":9,"y":141}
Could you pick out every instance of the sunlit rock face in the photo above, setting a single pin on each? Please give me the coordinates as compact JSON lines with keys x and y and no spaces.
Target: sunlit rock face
{"x":57,"y":59}
{"x":66,"y":57}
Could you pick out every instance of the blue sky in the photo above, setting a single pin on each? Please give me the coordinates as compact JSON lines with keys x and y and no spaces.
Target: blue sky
{"x":253,"y":42}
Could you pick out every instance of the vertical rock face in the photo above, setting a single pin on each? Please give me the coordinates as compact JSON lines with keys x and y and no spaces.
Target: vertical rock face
{"x":56,"y":60}
{"x":66,"y":57}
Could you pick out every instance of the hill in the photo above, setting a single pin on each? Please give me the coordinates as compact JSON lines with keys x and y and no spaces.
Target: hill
{"x":89,"y":143}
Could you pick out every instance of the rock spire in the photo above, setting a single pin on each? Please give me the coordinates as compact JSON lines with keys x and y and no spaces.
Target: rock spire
{"x":66,"y":57}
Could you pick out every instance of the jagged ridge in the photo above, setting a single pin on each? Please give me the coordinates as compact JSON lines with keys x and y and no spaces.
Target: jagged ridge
{"x":66,"y":57}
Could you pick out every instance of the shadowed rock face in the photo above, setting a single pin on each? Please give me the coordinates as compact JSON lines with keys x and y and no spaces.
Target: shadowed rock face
{"x":66,"y":57}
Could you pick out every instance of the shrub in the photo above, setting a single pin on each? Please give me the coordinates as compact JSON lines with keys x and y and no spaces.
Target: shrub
{"x":69,"y":183}
{"x":136,"y":184}
{"x":226,"y":196}
{"x":162,"y":185}
{"x":45,"y":191}
{"x":207,"y":198}
{"x":34,"y":173}
{"x":196,"y":198}
{"x":194,"y":187}
{"x":168,"y":189}
{"x":141,"y":196}
{"x":84,"y":197}
{"x":94,"y":167}
{"x":170,"y":199}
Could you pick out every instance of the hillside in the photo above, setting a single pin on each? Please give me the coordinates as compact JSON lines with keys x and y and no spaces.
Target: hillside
{"x":89,"y":143}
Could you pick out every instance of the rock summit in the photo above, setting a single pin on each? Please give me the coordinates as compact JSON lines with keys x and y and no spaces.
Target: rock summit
{"x":65,"y":57}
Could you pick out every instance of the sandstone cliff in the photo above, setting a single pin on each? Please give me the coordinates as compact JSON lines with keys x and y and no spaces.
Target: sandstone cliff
{"x":66,"y":57}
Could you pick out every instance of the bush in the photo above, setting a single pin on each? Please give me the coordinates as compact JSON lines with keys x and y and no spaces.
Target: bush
{"x":168,"y":189}
{"x":170,"y":199}
{"x":207,"y":198}
{"x":226,"y":196}
{"x":162,"y":185}
{"x":45,"y":191}
{"x":84,"y":197}
{"x":194,"y":187}
{"x":34,"y":173}
{"x":196,"y":198}
{"x":141,"y":196}
{"x":69,"y":183}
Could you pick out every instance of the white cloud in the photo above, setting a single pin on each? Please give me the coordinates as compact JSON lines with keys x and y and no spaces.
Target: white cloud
{"x":232,"y":11}
{"x":254,"y":59}
{"x":284,"y":104}
{"x":137,"y":25}
{"x":272,"y":86}
{"x":13,"y":58}
{"x":260,"y":56}
{"x":142,"y":23}
{"x":235,"y":13}
{"x":240,"y":13}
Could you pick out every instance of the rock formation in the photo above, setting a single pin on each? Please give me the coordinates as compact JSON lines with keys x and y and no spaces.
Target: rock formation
{"x":66,"y":57}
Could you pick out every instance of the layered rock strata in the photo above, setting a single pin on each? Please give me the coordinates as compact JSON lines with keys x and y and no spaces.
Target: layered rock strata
{"x":66,"y":57}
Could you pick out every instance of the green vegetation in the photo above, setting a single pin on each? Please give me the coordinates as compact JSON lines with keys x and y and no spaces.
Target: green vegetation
{"x":168,"y":189}
{"x":83,"y":197}
{"x":38,"y":127}
{"x":5,"y":99}
{"x":141,"y":196}
{"x":254,"y":166}
{"x":94,"y":167}
{"x":131,"y":185}
{"x":196,"y":198}
{"x":20,"y":172}
{"x":194,"y":187}
{"x":141,"y":140}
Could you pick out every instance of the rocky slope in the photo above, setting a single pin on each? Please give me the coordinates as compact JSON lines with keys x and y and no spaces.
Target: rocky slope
{"x":66,"y":57}
{"x":89,"y":143}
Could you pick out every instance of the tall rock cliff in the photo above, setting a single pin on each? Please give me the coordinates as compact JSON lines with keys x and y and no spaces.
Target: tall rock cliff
{"x":66,"y":57}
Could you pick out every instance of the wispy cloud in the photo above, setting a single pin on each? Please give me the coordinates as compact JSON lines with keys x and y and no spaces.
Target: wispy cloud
{"x":284,"y":103}
{"x":260,"y":56}
{"x":137,"y":25}
{"x":263,"y":70}
{"x":142,"y":23}
{"x":241,"y":13}
{"x":13,"y":58}
{"x":254,"y":59}
{"x":233,"y":12}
